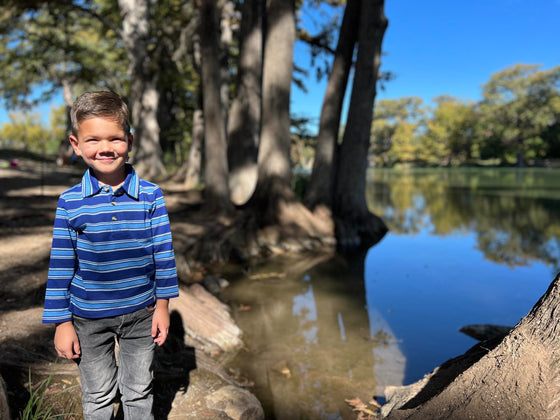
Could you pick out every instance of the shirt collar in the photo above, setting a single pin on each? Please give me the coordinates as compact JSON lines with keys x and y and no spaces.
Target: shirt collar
{"x":131,"y":185}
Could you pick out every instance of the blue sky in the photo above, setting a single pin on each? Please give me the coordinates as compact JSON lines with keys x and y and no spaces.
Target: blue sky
{"x":451,"y":47}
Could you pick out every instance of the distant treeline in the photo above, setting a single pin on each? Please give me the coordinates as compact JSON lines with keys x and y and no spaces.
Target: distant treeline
{"x":517,"y":122}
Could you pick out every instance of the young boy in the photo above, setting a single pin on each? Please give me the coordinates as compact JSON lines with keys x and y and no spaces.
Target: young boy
{"x":112,"y":269}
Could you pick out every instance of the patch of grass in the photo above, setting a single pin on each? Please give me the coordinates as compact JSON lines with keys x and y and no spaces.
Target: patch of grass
{"x":37,"y":407}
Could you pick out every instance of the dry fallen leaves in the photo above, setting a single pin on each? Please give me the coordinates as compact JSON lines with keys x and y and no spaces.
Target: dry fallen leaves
{"x":364,"y":412}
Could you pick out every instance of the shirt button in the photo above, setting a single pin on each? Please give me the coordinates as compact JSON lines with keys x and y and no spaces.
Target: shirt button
{"x":106,"y":189}
{"x":114,"y":218}
{"x":113,"y":203}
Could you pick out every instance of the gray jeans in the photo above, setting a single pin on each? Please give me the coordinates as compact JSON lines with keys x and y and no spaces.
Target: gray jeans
{"x":102,"y":376}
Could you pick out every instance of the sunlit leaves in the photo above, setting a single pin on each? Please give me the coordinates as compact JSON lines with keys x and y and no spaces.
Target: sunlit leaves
{"x":395,"y":129}
{"x":54,"y":43}
{"x":519,"y":109}
{"x":448,"y":133}
{"x":517,"y":121}
{"x":26,"y":132}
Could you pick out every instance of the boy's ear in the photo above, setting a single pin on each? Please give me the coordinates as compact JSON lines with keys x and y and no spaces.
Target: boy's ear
{"x":130,"y":140}
{"x":74,"y":143}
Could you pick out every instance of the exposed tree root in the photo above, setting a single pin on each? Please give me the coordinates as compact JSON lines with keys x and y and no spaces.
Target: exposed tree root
{"x":240,"y":238}
{"x":516,"y":379}
{"x":360,"y":231}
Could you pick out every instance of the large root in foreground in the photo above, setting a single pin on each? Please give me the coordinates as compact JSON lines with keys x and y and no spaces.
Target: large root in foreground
{"x":517,"y":377}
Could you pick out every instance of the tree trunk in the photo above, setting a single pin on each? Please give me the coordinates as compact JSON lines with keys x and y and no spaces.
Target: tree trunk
{"x":356,"y":226}
{"x":517,"y":377}
{"x":68,"y":96}
{"x":216,"y":190}
{"x":192,"y":168}
{"x":144,"y":97}
{"x":226,"y":39}
{"x":245,"y":113}
{"x":194,"y":160}
{"x":321,"y":185}
{"x":65,"y":150}
{"x":274,"y":168}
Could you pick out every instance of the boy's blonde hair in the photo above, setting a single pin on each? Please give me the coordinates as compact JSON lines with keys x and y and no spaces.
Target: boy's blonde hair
{"x":103,"y":104}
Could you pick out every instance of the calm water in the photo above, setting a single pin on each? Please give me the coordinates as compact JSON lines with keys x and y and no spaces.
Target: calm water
{"x":464,"y":247}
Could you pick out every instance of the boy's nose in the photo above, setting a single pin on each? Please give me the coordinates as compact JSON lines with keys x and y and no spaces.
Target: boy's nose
{"x":105,"y":146}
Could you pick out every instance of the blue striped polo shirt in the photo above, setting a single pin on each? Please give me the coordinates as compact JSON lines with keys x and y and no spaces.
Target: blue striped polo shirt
{"x":111,"y":251}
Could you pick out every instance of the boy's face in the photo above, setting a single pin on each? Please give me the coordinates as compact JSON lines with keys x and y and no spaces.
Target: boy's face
{"x":104,"y":146}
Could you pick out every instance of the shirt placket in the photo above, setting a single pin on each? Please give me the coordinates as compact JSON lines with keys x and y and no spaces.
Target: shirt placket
{"x":112,"y":199}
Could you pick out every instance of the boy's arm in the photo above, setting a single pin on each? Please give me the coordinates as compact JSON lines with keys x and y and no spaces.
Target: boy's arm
{"x":160,"y":321}
{"x":61,"y":269}
{"x":164,"y":257}
{"x":166,"y":272}
{"x":66,"y":341}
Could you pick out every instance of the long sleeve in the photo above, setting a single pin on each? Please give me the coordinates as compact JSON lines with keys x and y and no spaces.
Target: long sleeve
{"x":61,"y":269}
{"x":164,"y":257}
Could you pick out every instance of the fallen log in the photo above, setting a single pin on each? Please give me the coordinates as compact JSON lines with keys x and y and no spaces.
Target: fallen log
{"x":206,"y":322}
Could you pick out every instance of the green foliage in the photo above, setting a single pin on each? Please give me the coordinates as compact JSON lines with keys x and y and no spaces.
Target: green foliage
{"x":519,"y":111}
{"x":54,"y":44}
{"x":448,"y":136}
{"x":517,"y":121}
{"x":178,"y":82}
{"x":58,"y":123}
{"x":35,"y":410}
{"x":76,"y":45}
{"x":395,"y":130}
{"x":37,"y":407}
{"x":26,"y":132}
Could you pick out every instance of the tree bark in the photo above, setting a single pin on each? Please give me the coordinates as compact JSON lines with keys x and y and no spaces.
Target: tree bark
{"x":245,"y":112}
{"x":216,"y":190}
{"x":226,"y":39}
{"x":274,"y":167}
{"x":356,"y":226}
{"x":147,"y":154}
{"x":65,"y":150}
{"x":321,"y":185}
{"x":194,"y":160}
{"x":514,"y":378}
{"x":192,"y":168}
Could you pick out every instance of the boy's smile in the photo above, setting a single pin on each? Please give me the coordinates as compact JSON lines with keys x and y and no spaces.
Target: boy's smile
{"x":104,"y":146}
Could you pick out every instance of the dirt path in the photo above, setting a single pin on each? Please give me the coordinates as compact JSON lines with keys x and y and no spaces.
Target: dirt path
{"x":28,"y":197}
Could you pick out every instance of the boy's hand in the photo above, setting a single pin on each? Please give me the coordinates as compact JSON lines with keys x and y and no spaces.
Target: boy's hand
{"x":160,"y":322}
{"x":66,"y":341}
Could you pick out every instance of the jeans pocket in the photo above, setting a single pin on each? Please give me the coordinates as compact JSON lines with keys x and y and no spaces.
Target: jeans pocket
{"x":144,"y":313}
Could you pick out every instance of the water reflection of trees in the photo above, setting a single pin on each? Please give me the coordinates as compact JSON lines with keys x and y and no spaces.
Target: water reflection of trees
{"x":310,"y":342}
{"x":514,"y":213}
